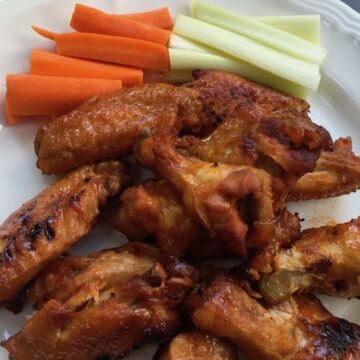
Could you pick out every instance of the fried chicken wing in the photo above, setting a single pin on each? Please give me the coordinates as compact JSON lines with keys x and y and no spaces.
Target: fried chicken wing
{"x":46,"y":226}
{"x":325,"y":259}
{"x":259,"y":126}
{"x":227,"y":200}
{"x":298,"y":329}
{"x":336,"y":173}
{"x":79,"y":279}
{"x":107,"y":126}
{"x":112,"y":301}
{"x":197,"y":345}
{"x":155,"y":208}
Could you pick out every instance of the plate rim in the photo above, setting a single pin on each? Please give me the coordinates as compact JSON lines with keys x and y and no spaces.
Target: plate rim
{"x":345,"y":17}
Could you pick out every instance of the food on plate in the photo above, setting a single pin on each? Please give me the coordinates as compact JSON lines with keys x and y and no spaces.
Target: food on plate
{"x":197,"y":345}
{"x":258,"y":126}
{"x":299,"y":328}
{"x":227,"y":155}
{"x":215,"y":37}
{"x":91,"y":20}
{"x":336,"y":173}
{"x":51,"y":64}
{"x":220,"y":105}
{"x":30,"y":95}
{"x":186,"y":54}
{"x":154,"y":209}
{"x":110,"y":48}
{"x":233,"y":202}
{"x":293,"y":69}
{"x":141,"y":44}
{"x":324,"y":259}
{"x":184,"y":59}
{"x":47,"y":225}
{"x":108,"y":126}
{"x":307,"y":27}
{"x":258,"y":31}
{"x":160,"y":18}
{"x":104,"y":305}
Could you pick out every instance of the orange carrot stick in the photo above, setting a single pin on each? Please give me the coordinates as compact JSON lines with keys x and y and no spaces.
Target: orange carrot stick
{"x":30,"y":95}
{"x":45,"y":33}
{"x":160,"y":18}
{"x":91,"y":20}
{"x":115,"y":49}
{"x":47,"y":63}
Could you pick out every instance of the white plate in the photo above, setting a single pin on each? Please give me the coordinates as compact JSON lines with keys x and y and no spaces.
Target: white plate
{"x":336,"y":106}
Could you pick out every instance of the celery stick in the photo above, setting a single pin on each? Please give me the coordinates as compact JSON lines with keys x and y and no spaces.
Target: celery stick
{"x":304,"y":26}
{"x":189,"y":59}
{"x":265,"y":34}
{"x":242,"y":48}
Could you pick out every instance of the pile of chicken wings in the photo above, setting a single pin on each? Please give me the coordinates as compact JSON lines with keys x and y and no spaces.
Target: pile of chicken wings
{"x":226,"y":155}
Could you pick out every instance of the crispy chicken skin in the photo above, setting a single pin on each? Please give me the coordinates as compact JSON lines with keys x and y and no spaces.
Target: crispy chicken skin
{"x":120,"y":298}
{"x":197,"y":345}
{"x":228,"y":200}
{"x":298,"y":329}
{"x":154,"y":208}
{"x":108,"y":126}
{"x":79,"y":279}
{"x":325,"y":259}
{"x":336,"y":173}
{"x":47,"y":225}
{"x":259,"y":126}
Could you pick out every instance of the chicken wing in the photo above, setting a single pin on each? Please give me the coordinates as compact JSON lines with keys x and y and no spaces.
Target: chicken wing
{"x":258,"y":126}
{"x":112,"y":301}
{"x":300,"y":328}
{"x":336,"y":173}
{"x":107,"y":126}
{"x":228,"y":200}
{"x":197,"y":345}
{"x":46,"y":226}
{"x":325,"y":259}
{"x":155,"y":208}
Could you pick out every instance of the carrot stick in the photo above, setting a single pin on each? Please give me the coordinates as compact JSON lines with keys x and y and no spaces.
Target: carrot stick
{"x":116,"y":49}
{"x":45,"y":33}
{"x":30,"y":95}
{"x":47,"y":63}
{"x":91,"y":20}
{"x":160,"y":18}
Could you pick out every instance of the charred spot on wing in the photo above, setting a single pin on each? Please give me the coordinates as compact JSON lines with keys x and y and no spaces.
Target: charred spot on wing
{"x":48,"y":229}
{"x":35,"y":231}
{"x":322,"y":266}
{"x":75,"y":198}
{"x":212,"y":115}
{"x":41,"y":227}
{"x":339,"y":335}
{"x":340,"y":285}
